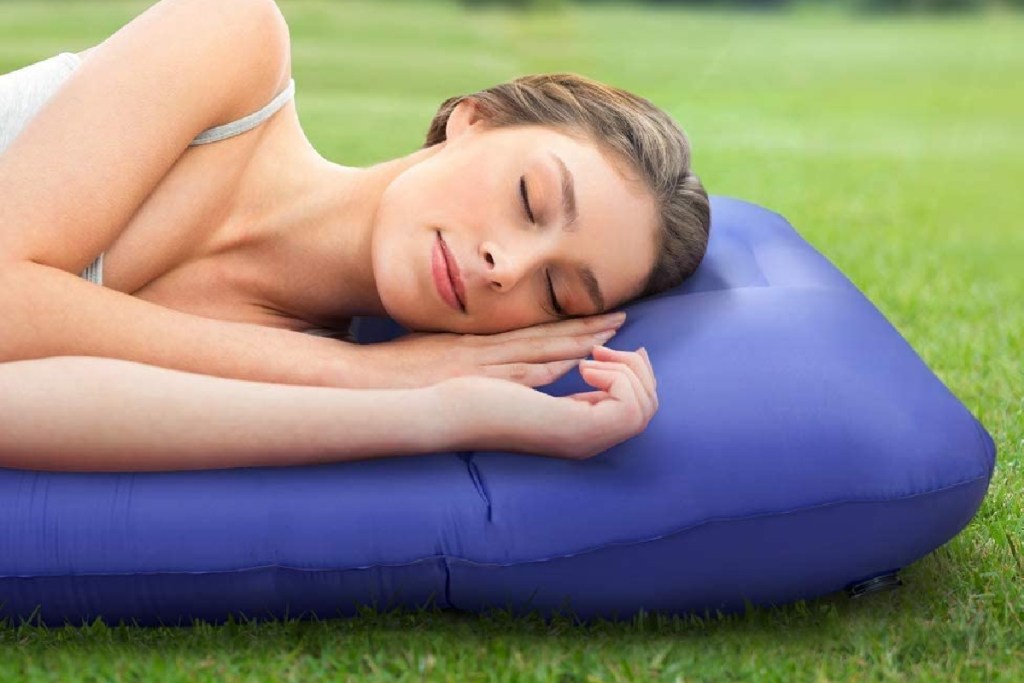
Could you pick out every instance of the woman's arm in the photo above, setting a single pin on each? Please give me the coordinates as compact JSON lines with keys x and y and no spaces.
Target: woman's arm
{"x":100,"y":414}
{"x":48,"y":312}
{"x":75,"y":175}
{"x":81,"y":167}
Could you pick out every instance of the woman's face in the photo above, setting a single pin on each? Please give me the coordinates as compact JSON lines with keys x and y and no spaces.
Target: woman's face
{"x":585,"y":217}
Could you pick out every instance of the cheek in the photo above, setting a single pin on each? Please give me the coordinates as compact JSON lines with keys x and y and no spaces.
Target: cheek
{"x":519,"y":309}
{"x":403,"y":196}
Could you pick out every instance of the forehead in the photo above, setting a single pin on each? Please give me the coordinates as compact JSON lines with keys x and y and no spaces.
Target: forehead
{"x":616,"y":220}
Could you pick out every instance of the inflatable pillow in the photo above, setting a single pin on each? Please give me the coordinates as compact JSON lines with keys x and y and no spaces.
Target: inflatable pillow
{"x":801,"y":446}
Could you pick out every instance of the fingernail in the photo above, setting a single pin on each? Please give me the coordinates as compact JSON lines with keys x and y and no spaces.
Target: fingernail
{"x":605,"y":336}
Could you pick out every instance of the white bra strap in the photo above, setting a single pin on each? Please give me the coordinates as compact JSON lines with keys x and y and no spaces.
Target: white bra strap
{"x":248,"y":122}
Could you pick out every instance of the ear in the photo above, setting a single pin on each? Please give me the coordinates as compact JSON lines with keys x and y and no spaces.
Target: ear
{"x":465,"y":117}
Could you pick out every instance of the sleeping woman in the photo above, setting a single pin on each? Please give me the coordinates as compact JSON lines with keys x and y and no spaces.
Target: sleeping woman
{"x":180,"y":266}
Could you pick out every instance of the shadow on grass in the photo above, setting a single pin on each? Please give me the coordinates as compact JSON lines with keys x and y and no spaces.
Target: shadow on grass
{"x":924,"y":596}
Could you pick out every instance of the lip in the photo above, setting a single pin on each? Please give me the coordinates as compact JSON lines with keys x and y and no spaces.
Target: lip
{"x":445,"y":273}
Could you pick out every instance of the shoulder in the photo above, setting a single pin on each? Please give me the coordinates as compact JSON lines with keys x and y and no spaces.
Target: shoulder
{"x":253,"y":63}
{"x":261,"y":34}
{"x":127,"y":113}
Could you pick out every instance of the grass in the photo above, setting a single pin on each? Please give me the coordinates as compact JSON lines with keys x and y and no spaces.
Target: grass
{"x":895,"y":146}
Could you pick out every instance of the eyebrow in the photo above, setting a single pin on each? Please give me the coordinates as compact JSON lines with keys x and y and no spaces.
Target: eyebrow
{"x":583,"y":272}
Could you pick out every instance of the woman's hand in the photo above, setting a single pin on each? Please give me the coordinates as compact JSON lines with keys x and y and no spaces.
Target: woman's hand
{"x":495,"y":414}
{"x":531,"y":356}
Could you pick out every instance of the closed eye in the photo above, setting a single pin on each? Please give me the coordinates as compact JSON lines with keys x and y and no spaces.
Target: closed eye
{"x":554,"y":301}
{"x":526,"y":201}
{"x":529,"y":214}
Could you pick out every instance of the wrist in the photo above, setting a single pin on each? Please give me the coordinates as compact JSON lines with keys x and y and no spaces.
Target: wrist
{"x":347,"y":365}
{"x":446,"y":424}
{"x":472,"y":415}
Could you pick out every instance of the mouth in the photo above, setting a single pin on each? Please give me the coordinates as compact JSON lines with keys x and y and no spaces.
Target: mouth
{"x":446,"y":276}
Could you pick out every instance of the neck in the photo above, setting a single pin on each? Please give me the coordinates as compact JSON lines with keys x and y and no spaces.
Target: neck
{"x":305,"y":248}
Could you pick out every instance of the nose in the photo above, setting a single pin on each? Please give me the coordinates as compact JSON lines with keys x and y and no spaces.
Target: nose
{"x":504,"y":267}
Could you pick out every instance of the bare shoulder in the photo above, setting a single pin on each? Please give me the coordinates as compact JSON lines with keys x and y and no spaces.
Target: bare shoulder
{"x":255,"y":29}
{"x":178,"y":68}
{"x":266,"y":45}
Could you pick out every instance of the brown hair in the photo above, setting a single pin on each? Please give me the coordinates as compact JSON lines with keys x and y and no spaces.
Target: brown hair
{"x":630,"y":127}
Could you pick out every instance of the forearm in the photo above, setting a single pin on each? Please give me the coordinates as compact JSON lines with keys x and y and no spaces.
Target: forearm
{"x":47,"y":312}
{"x":99,"y":414}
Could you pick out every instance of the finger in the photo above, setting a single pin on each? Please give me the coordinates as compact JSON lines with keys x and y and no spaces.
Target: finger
{"x":541,"y":349}
{"x":642,"y":398}
{"x":565,"y":328}
{"x":654,"y":378}
{"x":530,"y":374}
{"x":611,"y":382}
{"x":635,"y":362}
{"x":646,"y":356}
{"x":556,"y":369}
{"x":621,"y":384}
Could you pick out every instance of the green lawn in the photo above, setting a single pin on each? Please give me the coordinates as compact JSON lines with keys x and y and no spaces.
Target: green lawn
{"x":896,"y":147}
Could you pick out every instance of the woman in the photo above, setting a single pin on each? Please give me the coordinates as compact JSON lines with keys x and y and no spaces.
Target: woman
{"x":156,"y":286}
